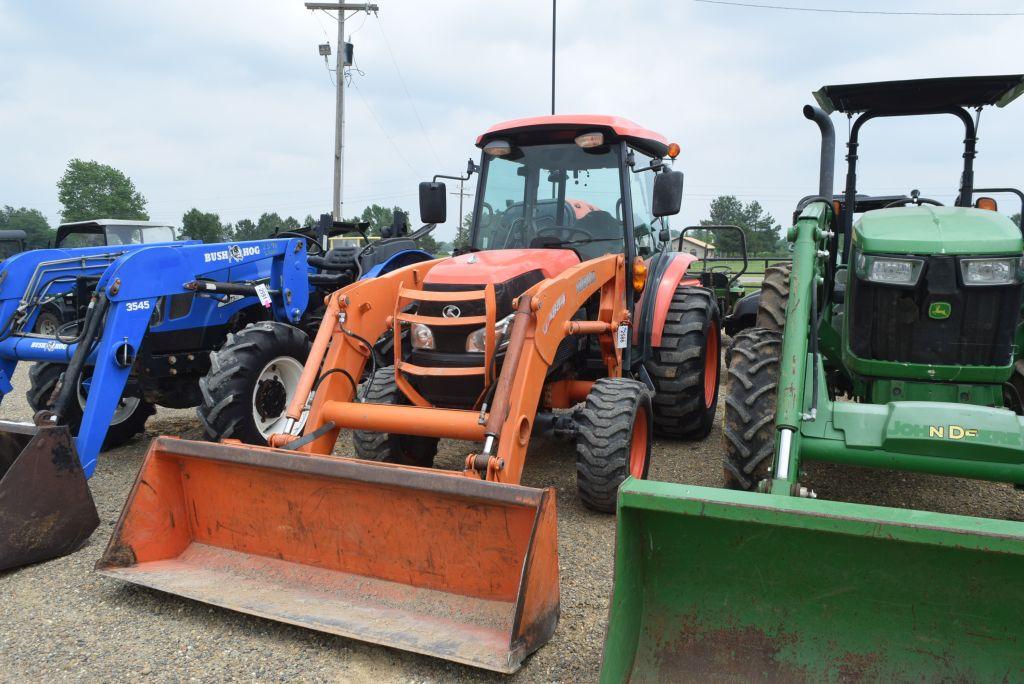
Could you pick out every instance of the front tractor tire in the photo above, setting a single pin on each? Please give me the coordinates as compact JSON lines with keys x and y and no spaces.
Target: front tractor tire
{"x":129,"y":418}
{"x":386,"y":447}
{"x":613,"y":440}
{"x":750,"y":407}
{"x":685,"y":369}
{"x":252,"y":379}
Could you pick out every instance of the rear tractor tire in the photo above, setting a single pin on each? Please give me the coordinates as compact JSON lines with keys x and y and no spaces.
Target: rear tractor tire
{"x":750,"y":407}
{"x":685,"y":369}
{"x":252,"y":379}
{"x":613,"y":440}
{"x":130,"y":415}
{"x":389,"y":447}
{"x":771,"y":310}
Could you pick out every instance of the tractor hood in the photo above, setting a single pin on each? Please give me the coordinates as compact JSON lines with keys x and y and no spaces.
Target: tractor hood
{"x":936,"y":230}
{"x":500,"y":266}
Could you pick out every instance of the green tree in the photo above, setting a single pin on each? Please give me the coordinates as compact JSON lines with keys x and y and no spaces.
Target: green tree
{"x":291,"y":223}
{"x":267,"y":224}
{"x":379,"y":217}
{"x":759,"y":227}
{"x":1016,"y":218}
{"x":461,"y":240}
{"x":245,"y":230}
{"x":309,"y":221}
{"x":205,"y":226}
{"x":37,"y":229}
{"x":90,"y":190}
{"x":428,"y":244}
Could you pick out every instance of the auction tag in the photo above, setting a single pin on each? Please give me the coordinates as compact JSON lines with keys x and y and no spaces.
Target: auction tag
{"x":264,"y":294}
{"x":622,"y":337}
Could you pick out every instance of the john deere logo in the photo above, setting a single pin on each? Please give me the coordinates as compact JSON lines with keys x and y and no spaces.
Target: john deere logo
{"x":939,"y":310}
{"x":953,"y":431}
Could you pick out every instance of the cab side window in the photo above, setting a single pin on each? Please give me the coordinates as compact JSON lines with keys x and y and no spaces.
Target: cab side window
{"x":641,"y":190}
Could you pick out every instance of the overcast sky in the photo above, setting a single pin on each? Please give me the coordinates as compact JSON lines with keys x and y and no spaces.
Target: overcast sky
{"x":227,"y":107}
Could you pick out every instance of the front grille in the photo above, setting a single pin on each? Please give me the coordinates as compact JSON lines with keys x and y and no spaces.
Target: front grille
{"x":889,"y":323}
{"x":452,"y":339}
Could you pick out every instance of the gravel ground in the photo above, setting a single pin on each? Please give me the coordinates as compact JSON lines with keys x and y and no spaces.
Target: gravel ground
{"x":59,"y":620}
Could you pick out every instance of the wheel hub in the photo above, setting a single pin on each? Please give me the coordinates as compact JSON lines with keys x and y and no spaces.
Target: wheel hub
{"x":271,"y":397}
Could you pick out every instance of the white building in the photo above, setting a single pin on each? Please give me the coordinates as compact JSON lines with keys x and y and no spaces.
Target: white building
{"x":698,"y":248}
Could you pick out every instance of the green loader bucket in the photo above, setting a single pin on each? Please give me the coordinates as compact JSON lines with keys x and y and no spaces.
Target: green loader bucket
{"x":720,"y":585}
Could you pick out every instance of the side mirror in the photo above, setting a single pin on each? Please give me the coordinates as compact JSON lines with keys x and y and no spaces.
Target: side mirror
{"x":668,"y":193}
{"x":433,"y":202}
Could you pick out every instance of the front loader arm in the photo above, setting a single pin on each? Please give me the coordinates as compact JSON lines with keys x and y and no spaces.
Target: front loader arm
{"x":808,"y":236}
{"x":338,"y":357}
{"x":553,"y":304}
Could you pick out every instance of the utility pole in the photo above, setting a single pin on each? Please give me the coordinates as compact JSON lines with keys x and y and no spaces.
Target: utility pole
{"x":554,"y":19}
{"x":461,"y":193}
{"x":339,"y":103}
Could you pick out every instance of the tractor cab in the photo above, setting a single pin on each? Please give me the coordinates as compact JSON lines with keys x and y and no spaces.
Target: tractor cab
{"x":11,"y":242}
{"x":594,"y":185}
{"x":104,"y":232}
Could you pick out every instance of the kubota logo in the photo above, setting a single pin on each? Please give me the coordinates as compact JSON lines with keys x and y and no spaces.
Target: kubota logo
{"x":951,"y":431}
{"x":939,"y":310}
{"x":451,"y":311}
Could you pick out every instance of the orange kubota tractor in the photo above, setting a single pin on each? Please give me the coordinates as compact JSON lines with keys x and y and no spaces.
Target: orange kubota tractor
{"x":566,"y":313}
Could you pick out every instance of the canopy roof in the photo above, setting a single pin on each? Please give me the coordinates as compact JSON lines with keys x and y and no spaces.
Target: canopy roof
{"x":921,"y":96}
{"x":564,"y":127}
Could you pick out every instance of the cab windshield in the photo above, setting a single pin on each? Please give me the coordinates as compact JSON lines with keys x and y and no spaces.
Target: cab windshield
{"x":551,"y":196}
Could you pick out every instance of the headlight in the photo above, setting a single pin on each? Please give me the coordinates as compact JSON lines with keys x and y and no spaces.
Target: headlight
{"x":889,"y":270}
{"x":1003,"y":271}
{"x":477,"y":340}
{"x":422,"y":336}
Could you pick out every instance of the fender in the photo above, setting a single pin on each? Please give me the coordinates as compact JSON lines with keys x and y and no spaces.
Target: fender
{"x":668,"y":270}
{"x":744,"y":314}
{"x":397,"y":261}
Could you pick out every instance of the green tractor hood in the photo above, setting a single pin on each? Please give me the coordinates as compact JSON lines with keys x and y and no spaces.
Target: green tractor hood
{"x":929,"y":229}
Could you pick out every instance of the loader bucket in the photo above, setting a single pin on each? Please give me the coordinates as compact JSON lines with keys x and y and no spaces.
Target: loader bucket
{"x":46,"y":509}
{"x":719,"y":585}
{"x":416,"y":559}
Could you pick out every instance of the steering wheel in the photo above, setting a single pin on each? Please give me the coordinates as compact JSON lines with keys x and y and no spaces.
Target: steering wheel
{"x":903,"y":201}
{"x":544,"y":232}
{"x":518,"y":223}
{"x":313,"y":248}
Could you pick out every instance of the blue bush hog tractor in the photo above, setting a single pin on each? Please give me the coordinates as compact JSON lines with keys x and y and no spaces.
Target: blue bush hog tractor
{"x":180,"y":324}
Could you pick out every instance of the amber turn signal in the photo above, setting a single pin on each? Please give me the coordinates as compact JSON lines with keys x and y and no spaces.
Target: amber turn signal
{"x":639,"y":274}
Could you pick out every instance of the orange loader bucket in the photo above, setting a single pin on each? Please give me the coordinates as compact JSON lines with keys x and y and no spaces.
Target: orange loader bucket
{"x":421,"y":560}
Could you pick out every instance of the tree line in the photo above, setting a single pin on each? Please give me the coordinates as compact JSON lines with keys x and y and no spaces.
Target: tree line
{"x":90,"y":190}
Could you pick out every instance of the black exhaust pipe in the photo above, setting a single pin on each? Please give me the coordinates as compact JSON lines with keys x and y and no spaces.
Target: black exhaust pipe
{"x":826,"y":172}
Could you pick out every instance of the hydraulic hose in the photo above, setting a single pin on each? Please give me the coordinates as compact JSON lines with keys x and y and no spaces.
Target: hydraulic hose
{"x":69,"y":384}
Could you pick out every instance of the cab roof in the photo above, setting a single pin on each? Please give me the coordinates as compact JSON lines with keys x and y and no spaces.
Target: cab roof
{"x":99,"y":223}
{"x":921,"y":96}
{"x":537,"y":130}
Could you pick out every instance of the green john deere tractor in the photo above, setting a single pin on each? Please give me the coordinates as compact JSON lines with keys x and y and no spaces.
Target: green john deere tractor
{"x":894,"y":342}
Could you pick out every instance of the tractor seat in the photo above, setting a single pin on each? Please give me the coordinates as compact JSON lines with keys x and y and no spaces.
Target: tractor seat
{"x":600,"y":225}
{"x":380,"y":252}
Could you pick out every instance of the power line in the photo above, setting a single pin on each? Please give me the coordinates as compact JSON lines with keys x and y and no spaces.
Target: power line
{"x":826,"y":10}
{"x":401,"y":80}
{"x":376,"y":119}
